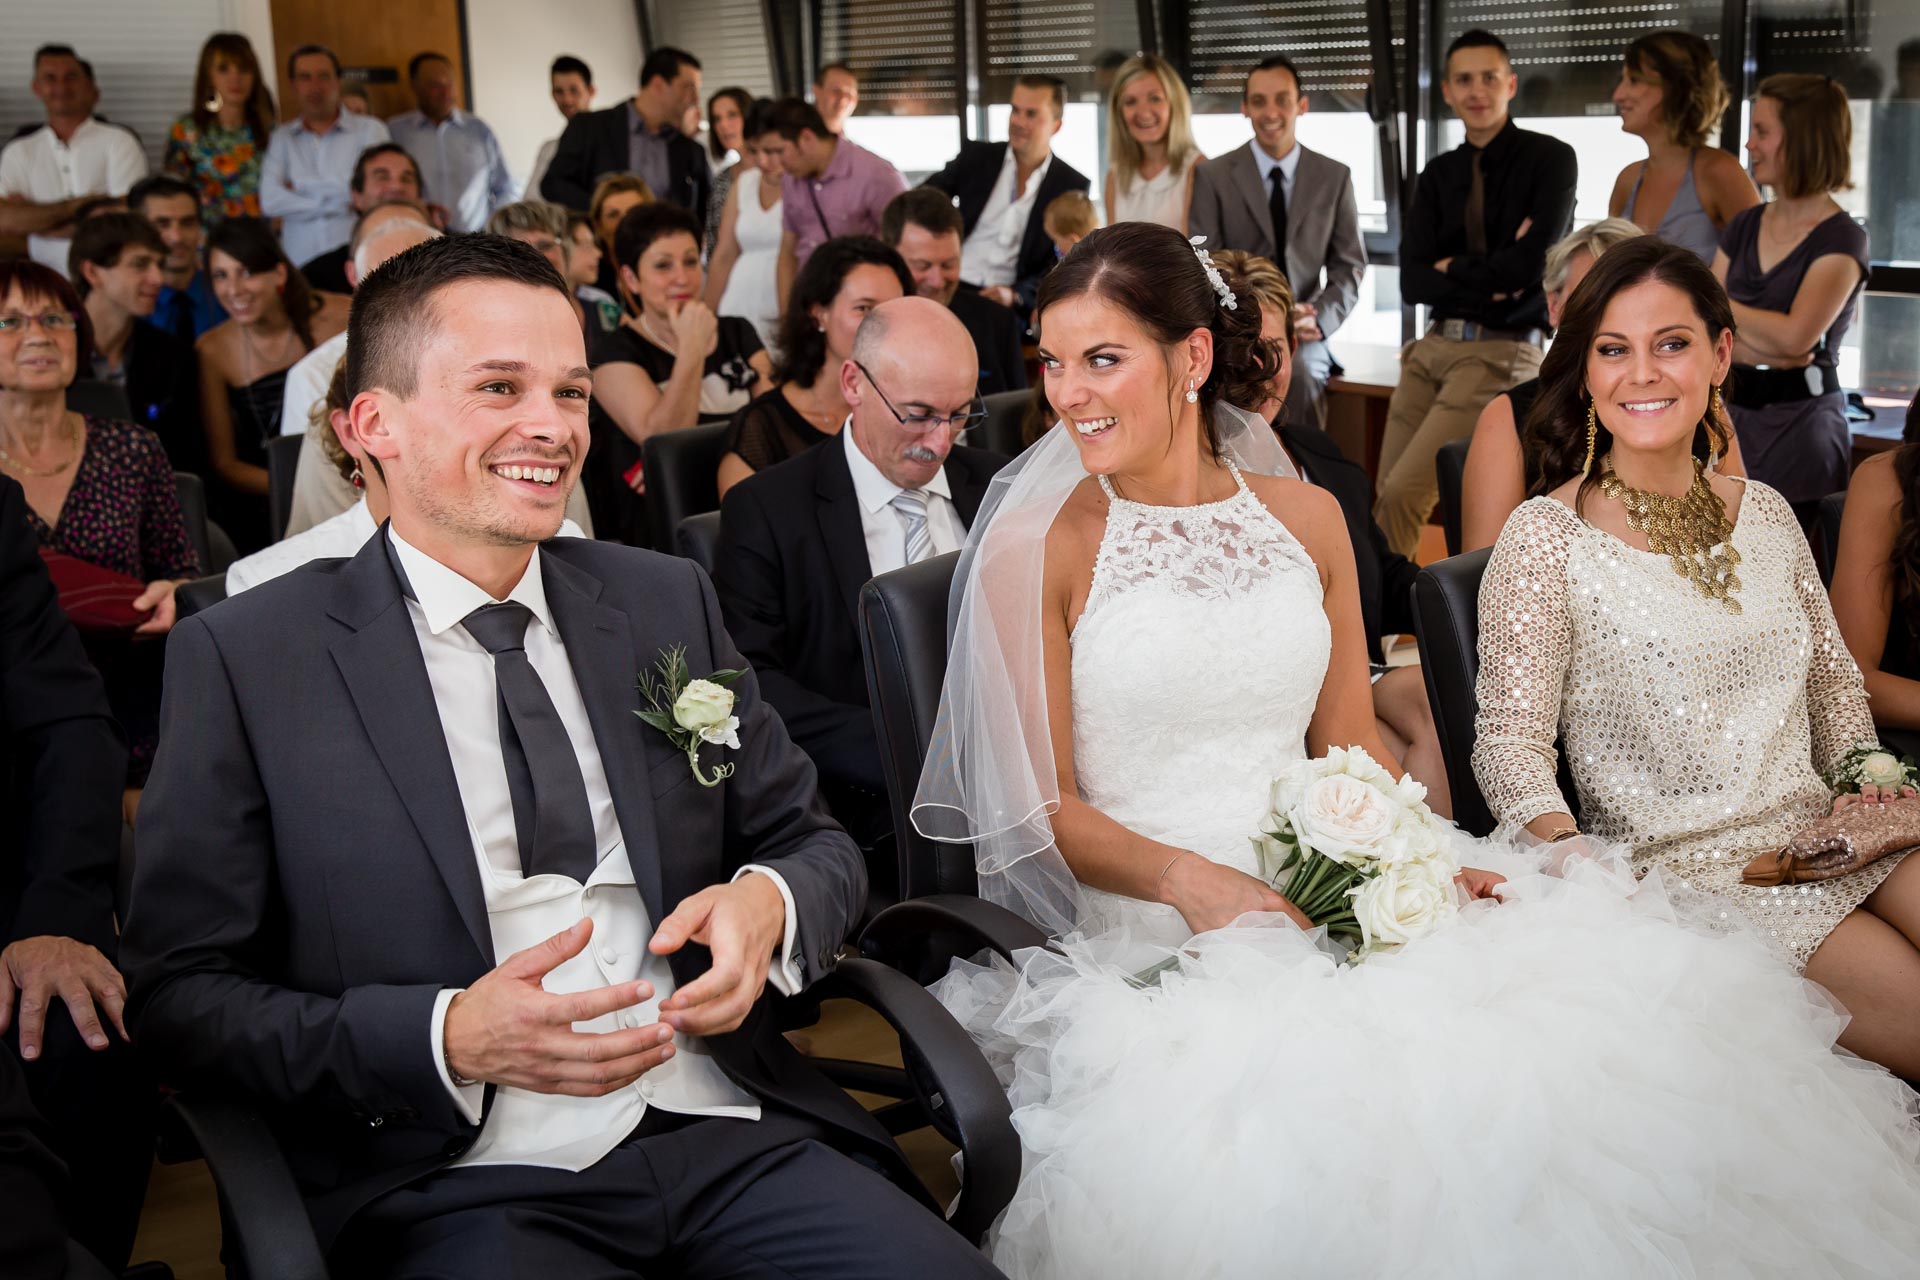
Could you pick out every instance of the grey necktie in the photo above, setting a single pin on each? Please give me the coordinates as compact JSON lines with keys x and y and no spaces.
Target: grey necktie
{"x":912,"y":506}
{"x":551,"y":814}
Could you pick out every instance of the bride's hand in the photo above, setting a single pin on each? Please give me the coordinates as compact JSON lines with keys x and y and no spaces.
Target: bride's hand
{"x":1211,"y":896}
{"x":1477,"y":884}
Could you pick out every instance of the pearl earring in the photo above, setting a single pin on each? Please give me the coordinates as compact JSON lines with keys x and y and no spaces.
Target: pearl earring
{"x":1193,"y":397}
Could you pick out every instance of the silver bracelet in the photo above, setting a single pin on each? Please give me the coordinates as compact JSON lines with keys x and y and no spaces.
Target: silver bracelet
{"x":459,"y":1081}
{"x":1163,"y":871}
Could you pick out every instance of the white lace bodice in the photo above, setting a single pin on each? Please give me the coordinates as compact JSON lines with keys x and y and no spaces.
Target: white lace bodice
{"x":1197,"y":663}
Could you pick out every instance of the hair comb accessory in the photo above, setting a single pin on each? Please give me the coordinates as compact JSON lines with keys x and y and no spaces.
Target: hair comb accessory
{"x":1227,"y":299}
{"x":1855,"y":837}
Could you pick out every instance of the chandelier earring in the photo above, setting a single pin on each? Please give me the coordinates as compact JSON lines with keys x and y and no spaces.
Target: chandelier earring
{"x":1593,"y":435}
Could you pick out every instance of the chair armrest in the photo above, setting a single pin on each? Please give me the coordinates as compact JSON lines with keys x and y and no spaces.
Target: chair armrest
{"x":926,"y":934}
{"x":961,"y":1095}
{"x":270,"y":1233}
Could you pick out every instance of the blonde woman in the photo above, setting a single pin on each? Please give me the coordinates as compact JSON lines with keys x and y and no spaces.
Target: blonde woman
{"x":1150,"y":149}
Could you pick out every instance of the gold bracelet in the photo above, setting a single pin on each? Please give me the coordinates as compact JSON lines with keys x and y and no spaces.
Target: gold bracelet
{"x":1163,"y":871}
{"x":1562,"y":833}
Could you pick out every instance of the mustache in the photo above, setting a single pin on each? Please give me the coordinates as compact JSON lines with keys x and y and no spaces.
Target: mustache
{"x":920,"y":453}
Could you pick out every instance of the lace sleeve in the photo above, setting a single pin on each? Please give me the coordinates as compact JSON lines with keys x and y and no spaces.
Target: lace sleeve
{"x":1525,"y":650}
{"x":1836,"y":692}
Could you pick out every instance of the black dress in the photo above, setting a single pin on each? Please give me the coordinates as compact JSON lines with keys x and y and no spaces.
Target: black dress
{"x":770,"y":430}
{"x":255,"y":413}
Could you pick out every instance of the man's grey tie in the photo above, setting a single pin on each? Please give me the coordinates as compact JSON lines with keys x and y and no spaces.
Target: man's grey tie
{"x":912,"y":506}
{"x":551,"y":815}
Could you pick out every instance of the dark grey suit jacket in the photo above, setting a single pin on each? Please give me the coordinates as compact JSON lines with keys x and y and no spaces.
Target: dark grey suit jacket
{"x":307,"y":884}
{"x":597,"y":143}
{"x":1325,"y":255}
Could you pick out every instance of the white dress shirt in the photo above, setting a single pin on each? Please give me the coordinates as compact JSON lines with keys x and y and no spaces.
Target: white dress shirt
{"x":886,"y":528}
{"x":340,"y":537}
{"x":524,"y":1127}
{"x":306,"y":182}
{"x":1287,"y":164}
{"x":991,"y":255}
{"x":461,"y":167}
{"x":99,"y":159}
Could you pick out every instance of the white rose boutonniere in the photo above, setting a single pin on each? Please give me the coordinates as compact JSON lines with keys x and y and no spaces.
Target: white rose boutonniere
{"x":691,"y":713}
{"x":1870,"y":764}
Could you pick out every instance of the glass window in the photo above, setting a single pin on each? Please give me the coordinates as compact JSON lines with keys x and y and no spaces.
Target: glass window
{"x":904,"y":53}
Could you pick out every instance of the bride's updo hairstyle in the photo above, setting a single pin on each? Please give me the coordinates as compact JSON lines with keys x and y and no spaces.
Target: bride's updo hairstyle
{"x":1151,"y":273}
{"x":1556,"y":429}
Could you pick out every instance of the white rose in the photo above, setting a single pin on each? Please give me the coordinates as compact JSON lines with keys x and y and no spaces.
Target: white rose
{"x":1403,"y":902}
{"x":1289,"y":788}
{"x":703,"y":706}
{"x":1882,"y":769}
{"x":1343,"y":818}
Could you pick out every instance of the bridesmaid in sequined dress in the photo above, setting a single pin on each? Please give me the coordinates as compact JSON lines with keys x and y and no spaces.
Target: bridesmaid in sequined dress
{"x":1698,"y":704}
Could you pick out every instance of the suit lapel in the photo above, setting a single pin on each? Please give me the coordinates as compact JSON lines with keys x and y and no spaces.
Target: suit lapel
{"x":968,"y":492}
{"x":387,"y":679}
{"x":973,"y":201}
{"x":1246,"y":179}
{"x":838,"y":512}
{"x":600,"y":649}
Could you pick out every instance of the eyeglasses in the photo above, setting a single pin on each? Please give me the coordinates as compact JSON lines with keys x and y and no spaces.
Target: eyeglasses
{"x":51,"y":321}
{"x":927,"y":423}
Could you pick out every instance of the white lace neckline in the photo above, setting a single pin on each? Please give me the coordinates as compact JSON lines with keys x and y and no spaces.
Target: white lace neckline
{"x":1240,"y":491}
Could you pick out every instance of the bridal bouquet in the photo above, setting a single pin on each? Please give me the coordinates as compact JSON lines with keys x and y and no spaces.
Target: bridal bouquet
{"x":1357,"y":851}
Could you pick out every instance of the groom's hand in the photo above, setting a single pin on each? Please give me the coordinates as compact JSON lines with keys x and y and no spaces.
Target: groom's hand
{"x":740,"y":924}
{"x":508,"y":1029}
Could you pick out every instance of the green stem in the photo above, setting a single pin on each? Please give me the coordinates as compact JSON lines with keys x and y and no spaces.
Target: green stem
{"x":720,"y":773}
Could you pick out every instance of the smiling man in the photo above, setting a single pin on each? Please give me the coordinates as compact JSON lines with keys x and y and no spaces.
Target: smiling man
{"x":1294,"y":207}
{"x":417,"y":880}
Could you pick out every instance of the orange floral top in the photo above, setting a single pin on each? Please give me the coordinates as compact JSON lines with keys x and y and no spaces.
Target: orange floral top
{"x":223,"y":164}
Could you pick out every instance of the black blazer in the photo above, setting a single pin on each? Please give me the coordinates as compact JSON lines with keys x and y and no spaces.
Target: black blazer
{"x":595,"y":143}
{"x":62,"y":758}
{"x":307,"y":884}
{"x":163,"y":387}
{"x":789,"y":567}
{"x":970,"y":176}
{"x":1385,"y":576}
{"x":996,"y":334}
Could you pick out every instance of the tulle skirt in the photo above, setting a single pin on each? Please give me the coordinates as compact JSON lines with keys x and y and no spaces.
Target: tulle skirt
{"x":1596,"y":1078}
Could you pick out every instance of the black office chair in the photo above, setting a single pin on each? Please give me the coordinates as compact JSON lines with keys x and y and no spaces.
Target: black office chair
{"x":283,"y":459}
{"x":1450,"y":467}
{"x":682,"y":470}
{"x":697,"y":538}
{"x":190,"y":598}
{"x":99,"y":399}
{"x":1001,"y":431}
{"x":191,"y":491}
{"x":1826,"y":548}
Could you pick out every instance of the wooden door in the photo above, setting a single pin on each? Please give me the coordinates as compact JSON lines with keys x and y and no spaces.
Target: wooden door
{"x":374,"y":39}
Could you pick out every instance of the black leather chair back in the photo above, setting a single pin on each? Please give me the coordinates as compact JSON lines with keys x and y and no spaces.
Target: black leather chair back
{"x":190,"y":598}
{"x":283,"y":459}
{"x":99,"y":399}
{"x":1826,"y":548}
{"x":903,"y":634}
{"x":697,"y":538}
{"x":1001,"y":431}
{"x":1450,"y":466}
{"x":682,"y":470}
{"x":191,"y":491}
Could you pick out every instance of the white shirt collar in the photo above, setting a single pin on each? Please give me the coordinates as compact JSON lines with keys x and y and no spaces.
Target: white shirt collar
{"x":873,"y":490}
{"x":1287,"y":164}
{"x":1009,"y":165}
{"x":446,"y":598}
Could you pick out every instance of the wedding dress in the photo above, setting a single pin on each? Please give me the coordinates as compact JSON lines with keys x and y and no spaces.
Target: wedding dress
{"x":1584,"y":1080}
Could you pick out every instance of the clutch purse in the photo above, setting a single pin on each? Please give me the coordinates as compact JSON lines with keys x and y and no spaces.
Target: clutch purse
{"x":1838,"y":845}
{"x":94,"y":599}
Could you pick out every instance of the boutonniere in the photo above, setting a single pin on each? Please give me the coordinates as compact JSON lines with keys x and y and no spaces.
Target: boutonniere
{"x":691,"y":712}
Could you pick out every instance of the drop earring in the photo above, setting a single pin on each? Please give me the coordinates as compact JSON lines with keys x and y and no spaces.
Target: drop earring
{"x":213,"y":104}
{"x":1193,"y":396}
{"x":1593,"y":435}
{"x":357,"y":480}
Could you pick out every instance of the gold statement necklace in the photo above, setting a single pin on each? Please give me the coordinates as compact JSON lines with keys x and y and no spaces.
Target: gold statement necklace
{"x":1692,"y":530}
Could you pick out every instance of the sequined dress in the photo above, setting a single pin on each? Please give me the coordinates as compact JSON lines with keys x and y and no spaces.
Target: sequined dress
{"x":1694,"y":734}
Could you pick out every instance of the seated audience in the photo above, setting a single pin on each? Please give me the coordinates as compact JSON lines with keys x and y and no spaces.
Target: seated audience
{"x":1004,"y":188}
{"x":1151,"y":154}
{"x":583,"y":271}
{"x":100,"y":495}
{"x":218,"y":145}
{"x":614,"y":196}
{"x":305,"y":181}
{"x":798,"y":541}
{"x":843,"y":281}
{"x":924,"y":227}
{"x":1292,"y":206}
{"x":1671,"y":96}
{"x":1794,"y":268}
{"x":115,"y":268}
{"x":641,"y":135}
{"x":571,"y":82}
{"x":1400,"y":710}
{"x":459,"y":158}
{"x":727,"y":116}
{"x":836,"y":92}
{"x":1876,"y":579}
{"x":1068,"y":219}
{"x":273,"y":320}
{"x":64,"y":763}
{"x":434,"y":911}
{"x":47,"y":174}
{"x":384,"y":173}
{"x":186,"y":307}
{"x":1500,"y":471}
{"x":743,"y":275}
{"x":833,"y":186}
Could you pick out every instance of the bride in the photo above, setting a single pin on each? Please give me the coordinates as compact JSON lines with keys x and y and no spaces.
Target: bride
{"x":1578,"y":1077}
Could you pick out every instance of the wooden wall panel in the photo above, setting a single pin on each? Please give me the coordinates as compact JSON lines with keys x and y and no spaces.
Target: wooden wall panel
{"x":377,"y":35}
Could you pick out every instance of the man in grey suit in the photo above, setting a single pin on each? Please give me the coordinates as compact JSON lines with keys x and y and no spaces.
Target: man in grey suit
{"x":488,"y":950}
{"x":1276,"y":198}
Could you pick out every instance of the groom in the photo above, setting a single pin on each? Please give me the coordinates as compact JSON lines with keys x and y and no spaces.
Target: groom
{"x":416,"y":879}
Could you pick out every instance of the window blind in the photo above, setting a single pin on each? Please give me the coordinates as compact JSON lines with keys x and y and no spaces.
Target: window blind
{"x":728,"y":36}
{"x":905,"y":52}
{"x":1327,"y":40}
{"x":1064,"y":38}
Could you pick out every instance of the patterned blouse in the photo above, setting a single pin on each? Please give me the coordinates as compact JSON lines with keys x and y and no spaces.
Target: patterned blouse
{"x":123,"y":512}
{"x":224,"y":164}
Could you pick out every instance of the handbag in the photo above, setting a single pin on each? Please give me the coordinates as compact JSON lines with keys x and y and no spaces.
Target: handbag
{"x":92,"y":597}
{"x":1840,"y":844}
